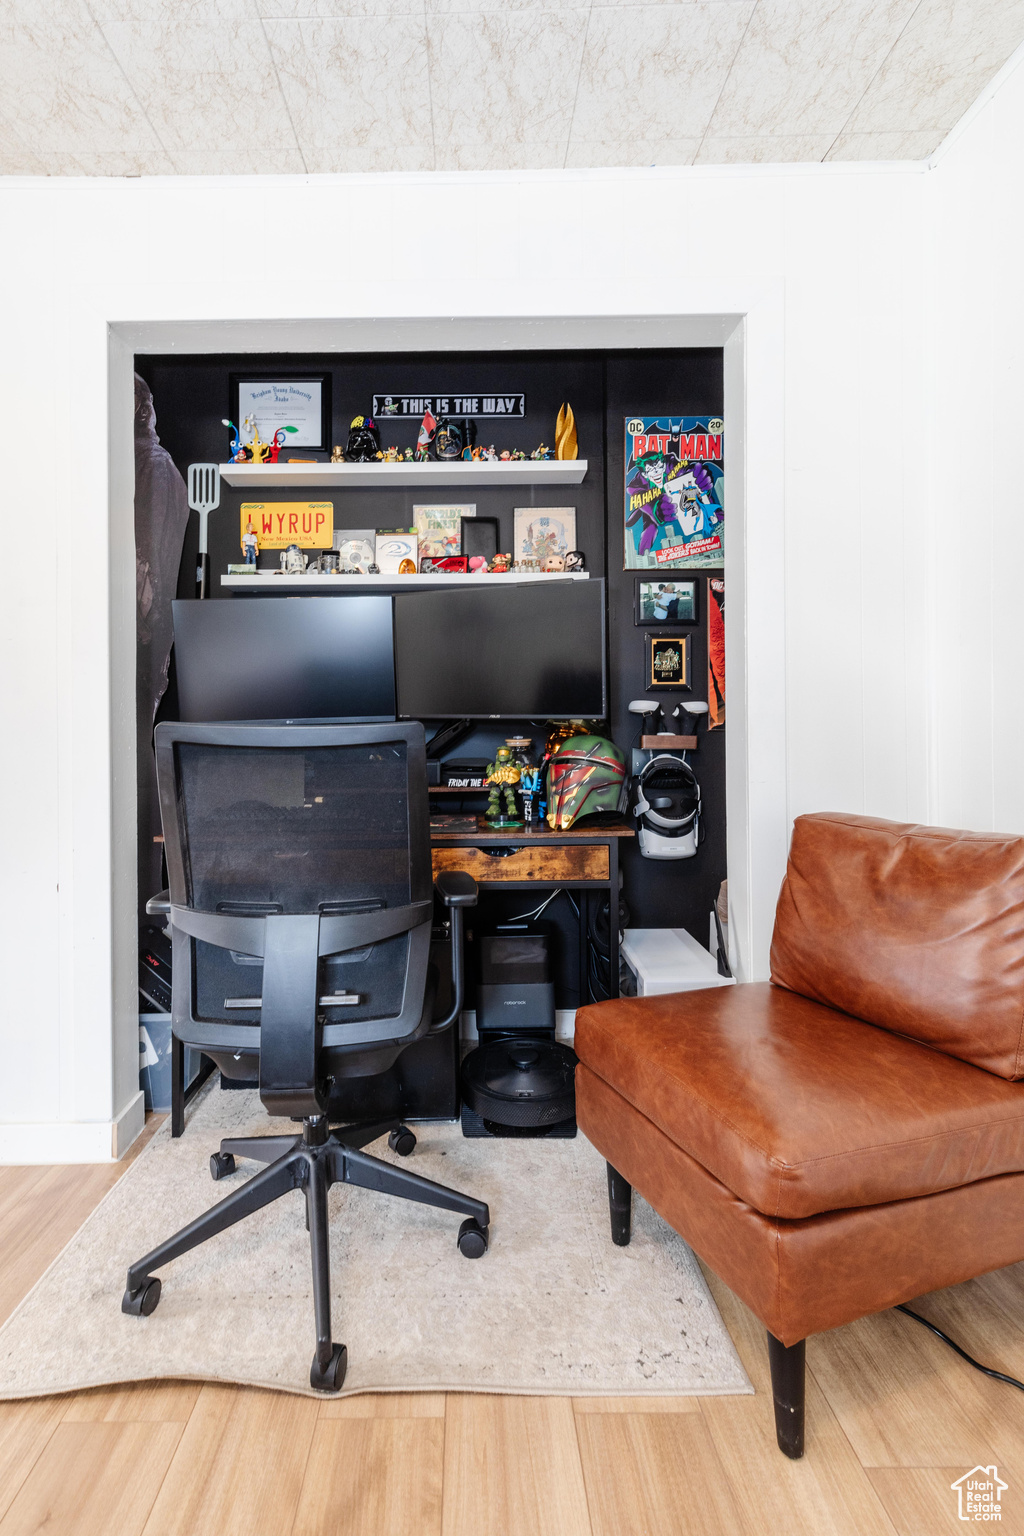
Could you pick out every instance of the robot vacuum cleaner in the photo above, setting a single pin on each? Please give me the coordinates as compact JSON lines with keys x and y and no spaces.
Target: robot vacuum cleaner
{"x":519,"y":1086}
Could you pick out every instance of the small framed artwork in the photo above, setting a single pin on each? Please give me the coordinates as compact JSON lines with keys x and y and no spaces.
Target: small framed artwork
{"x":665,"y":602}
{"x":543,"y":531}
{"x":282,"y":400}
{"x":668,"y":661}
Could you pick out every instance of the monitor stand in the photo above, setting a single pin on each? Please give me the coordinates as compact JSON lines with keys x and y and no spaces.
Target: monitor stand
{"x":449,"y":733}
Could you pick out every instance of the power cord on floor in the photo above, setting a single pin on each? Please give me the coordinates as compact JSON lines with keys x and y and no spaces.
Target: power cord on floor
{"x":1011,"y":1381}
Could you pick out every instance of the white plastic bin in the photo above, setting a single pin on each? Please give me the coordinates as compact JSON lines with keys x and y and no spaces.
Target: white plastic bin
{"x":155,"y":1060}
{"x":669,"y":960}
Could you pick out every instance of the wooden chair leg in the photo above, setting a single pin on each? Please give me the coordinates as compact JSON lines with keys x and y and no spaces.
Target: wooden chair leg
{"x":788,"y":1380}
{"x":620,"y":1205}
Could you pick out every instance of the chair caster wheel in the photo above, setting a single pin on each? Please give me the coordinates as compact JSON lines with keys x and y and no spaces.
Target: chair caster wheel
{"x":329,"y":1378}
{"x":402,"y":1141}
{"x":221,"y":1164}
{"x":142,"y":1302}
{"x":472,"y":1239}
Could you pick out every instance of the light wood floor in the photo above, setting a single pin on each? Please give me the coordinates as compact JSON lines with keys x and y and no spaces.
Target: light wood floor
{"x":893,"y":1418}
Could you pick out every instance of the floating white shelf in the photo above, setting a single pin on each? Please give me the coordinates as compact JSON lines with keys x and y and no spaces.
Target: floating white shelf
{"x":270,"y":580}
{"x":382,"y":476}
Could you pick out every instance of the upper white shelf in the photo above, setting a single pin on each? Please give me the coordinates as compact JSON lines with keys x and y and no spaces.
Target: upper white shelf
{"x":384,"y":476}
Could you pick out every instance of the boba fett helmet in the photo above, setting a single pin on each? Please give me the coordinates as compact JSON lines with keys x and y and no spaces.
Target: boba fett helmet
{"x":586,"y":774}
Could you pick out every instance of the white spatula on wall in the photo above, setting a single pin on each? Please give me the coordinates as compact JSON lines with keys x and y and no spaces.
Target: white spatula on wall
{"x":204,"y":498}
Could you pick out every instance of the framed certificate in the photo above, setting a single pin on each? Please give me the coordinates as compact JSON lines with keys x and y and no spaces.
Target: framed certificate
{"x":276,"y":400}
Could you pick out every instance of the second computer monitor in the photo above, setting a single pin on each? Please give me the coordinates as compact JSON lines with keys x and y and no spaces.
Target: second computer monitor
{"x":534,"y":651}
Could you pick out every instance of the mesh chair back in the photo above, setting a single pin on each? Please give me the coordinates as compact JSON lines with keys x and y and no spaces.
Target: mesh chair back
{"x":267,"y":819}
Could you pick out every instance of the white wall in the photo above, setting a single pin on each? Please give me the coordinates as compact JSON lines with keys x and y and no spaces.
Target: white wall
{"x":820,"y":268}
{"x":976,"y":464}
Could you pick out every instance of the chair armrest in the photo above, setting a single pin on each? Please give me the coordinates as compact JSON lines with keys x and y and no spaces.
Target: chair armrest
{"x":159,"y":906}
{"x":456,"y":889}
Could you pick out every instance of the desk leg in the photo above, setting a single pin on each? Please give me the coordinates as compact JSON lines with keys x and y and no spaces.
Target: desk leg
{"x":613,"y":917}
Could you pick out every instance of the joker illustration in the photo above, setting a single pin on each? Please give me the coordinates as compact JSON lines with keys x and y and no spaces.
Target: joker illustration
{"x":664,"y":490}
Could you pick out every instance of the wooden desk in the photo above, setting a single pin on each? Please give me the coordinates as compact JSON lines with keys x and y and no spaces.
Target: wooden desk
{"x":583,"y":859}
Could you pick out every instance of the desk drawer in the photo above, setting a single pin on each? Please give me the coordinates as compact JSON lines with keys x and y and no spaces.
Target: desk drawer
{"x":585,"y":861}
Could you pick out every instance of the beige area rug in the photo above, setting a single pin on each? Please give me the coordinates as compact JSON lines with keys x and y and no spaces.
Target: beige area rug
{"x":552,"y":1307}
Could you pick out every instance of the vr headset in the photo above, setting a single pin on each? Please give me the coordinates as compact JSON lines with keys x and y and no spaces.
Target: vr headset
{"x":667,"y":808}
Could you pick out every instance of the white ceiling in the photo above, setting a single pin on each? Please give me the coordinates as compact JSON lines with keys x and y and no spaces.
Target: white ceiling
{"x":207,"y":87}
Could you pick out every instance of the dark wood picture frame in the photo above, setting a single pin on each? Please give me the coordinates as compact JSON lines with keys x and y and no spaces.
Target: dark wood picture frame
{"x":285,"y":376}
{"x":653,"y":579}
{"x":663,"y":676}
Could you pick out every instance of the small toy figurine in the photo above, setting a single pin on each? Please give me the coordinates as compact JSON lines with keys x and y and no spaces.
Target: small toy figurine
{"x":250,"y":544}
{"x":259,"y":451}
{"x":278,"y":443}
{"x":477,"y":563}
{"x":428,"y":426}
{"x":552,"y":563}
{"x":489,"y":453}
{"x":505,"y":456}
{"x":575,"y":560}
{"x":391,"y":455}
{"x":542,"y":452}
{"x":239,"y":453}
{"x":448,"y":441}
{"x":363,"y":446}
{"x":501,"y":775}
{"x":373,"y":570}
{"x":517,"y":455}
{"x":565,"y":434}
{"x":499,"y":566}
{"x":408,"y":455}
{"x":337,"y":454}
{"x":529,"y":786}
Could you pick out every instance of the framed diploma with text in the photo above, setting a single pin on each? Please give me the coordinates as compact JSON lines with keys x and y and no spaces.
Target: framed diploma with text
{"x":282,"y":400}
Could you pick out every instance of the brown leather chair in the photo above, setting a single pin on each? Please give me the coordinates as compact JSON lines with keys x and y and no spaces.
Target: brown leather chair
{"x":849,"y":1135}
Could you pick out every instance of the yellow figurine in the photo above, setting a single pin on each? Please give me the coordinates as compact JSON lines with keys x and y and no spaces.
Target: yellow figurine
{"x":259,"y":450}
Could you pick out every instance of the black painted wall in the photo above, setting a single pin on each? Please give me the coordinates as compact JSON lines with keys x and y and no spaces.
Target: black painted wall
{"x":191,"y":395}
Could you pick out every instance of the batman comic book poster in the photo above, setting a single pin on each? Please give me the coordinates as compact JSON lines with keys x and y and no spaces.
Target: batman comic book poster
{"x":675,"y":493}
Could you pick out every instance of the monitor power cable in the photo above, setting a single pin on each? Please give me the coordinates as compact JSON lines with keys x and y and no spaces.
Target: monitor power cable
{"x":986,"y":1370}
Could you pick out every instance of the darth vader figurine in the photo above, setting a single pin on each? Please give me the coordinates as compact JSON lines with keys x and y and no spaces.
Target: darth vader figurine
{"x":363,"y":446}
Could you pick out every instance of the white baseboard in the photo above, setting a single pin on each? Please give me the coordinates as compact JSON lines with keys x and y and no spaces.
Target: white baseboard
{"x":73,"y":1141}
{"x":565,"y":1025}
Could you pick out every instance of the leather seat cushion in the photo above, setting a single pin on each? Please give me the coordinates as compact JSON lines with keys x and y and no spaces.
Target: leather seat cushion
{"x":917,"y":929}
{"x":800,"y":1109}
{"x":801,"y":1277}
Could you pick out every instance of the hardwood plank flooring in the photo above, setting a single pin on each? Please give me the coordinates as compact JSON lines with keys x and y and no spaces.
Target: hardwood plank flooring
{"x":511,"y":1466}
{"x":372,"y":1476}
{"x":893,"y":1418}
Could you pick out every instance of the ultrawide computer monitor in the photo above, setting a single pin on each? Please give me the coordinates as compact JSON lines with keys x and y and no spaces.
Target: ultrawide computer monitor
{"x":285,"y":658}
{"x":535,"y":651}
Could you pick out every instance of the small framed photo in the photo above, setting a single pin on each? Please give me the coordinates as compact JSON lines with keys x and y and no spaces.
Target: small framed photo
{"x":668,"y":661}
{"x":283,"y":400}
{"x":665,"y":602}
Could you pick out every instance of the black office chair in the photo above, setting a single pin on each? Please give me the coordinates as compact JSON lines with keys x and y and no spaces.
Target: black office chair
{"x":300,"y":905}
